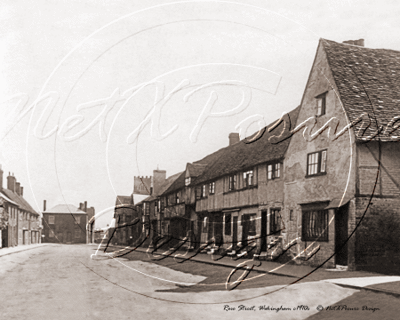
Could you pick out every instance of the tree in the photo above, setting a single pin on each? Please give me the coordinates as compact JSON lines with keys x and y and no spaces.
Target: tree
{"x":3,"y":215}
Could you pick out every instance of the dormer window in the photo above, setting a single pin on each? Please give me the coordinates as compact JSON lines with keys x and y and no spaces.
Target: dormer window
{"x":321,"y":104}
{"x":187,"y":181}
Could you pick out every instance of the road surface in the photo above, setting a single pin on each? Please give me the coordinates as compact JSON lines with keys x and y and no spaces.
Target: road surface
{"x":63,"y":282}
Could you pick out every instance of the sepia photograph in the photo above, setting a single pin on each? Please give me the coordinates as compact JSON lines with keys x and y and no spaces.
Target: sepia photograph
{"x":199,"y":159}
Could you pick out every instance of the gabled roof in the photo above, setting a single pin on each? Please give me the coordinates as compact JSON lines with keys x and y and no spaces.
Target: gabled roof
{"x":368,"y":81}
{"x":178,"y":183}
{"x":169,"y":181}
{"x":65,"y":208}
{"x":195,"y":169}
{"x":120,"y":200}
{"x":7,"y":199}
{"x":22,"y":203}
{"x":244,"y":155}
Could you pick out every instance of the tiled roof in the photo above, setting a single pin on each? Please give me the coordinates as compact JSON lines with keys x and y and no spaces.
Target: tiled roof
{"x":244,"y":155}
{"x":169,"y":181}
{"x":368,"y":81}
{"x":65,"y":208}
{"x":199,"y":168}
{"x":196,"y":169}
{"x":123,"y":200}
{"x":22,"y":203}
{"x":178,"y":184}
{"x":7,"y":199}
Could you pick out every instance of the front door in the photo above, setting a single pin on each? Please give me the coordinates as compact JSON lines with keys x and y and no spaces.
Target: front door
{"x":69,"y":237}
{"x":177,"y":231}
{"x":245,"y":229}
{"x":341,"y":235}
{"x":4,"y":238}
{"x":218,"y":228}
{"x":264,"y":231}
{"x":235,"y":232}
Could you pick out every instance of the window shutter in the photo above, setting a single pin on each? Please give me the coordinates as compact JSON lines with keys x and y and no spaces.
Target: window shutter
{"x":323,"y":161}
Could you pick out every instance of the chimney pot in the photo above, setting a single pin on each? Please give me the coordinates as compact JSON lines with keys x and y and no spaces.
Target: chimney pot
{"x":22,"y":191}
{"x":359,"y":42}
{"x":234,"y":138}
{"x":85,"y":206}
{"x":44,"y":205}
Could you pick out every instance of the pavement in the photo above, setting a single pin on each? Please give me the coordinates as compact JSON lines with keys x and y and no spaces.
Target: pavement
{"x":361,"y":280}
{"x":10,"y":250}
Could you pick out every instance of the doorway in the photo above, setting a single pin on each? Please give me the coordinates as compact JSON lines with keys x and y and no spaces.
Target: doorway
{"x":264,"y":230}
{"x":177,"y":231}
{"x":218,"y":228}
{"x":4,"y":238}
{"x":235,"y":232}
{"x":341,"y":235}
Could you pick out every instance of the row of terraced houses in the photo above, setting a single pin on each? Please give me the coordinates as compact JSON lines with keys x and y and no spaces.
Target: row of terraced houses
{"x":19,"y":223}
{"x":319,"y":186}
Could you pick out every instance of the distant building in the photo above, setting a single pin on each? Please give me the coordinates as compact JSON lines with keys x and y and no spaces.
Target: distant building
{"x":65,"y":223}
{"x":20,"y":223}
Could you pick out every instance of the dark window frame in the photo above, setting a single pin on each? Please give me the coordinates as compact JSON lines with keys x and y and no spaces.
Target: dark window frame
{"x":252,"y":220}
{"x":203,"y":192}
{"x":320,"y":165}
{"x":275,"y":221}
{"x":232,"y":182}
{"x":275,"y":171}
{"x":211,"y":188}
{"x":315,"y":225}
{"x":321,"y":98}
{"x":248,"y":179}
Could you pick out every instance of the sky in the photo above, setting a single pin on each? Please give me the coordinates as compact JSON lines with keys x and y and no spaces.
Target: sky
{"x":93,"y":93}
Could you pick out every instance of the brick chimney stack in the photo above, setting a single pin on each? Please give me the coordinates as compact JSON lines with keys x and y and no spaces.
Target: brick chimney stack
{"x":44,"y":205}
{"x":18,"y":188}
{"x":85,"y":207}
{"x":234,"y":138}
{"x":159,"y":177}
{"x":11,"y":182}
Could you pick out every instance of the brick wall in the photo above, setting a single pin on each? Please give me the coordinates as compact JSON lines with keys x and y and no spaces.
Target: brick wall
{"x":65,"y":228}
{"x":377,"y":240}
